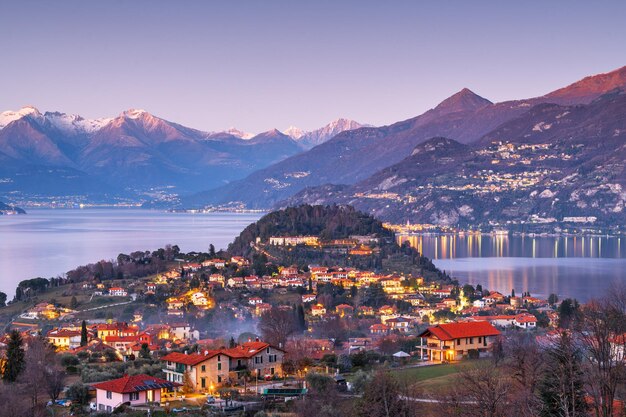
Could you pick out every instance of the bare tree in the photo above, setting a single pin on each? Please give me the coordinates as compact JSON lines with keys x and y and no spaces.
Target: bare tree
{"x":602,"y":333}
{"x":524,"y":363}
{"x":276,"y":325}
{"x":39,"y":358}
{"x":12,"y":400}
{"x":480,"y":392}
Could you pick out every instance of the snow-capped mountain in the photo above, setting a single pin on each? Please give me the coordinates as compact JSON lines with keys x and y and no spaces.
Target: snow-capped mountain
{"x":316,"y":137}
{"x":9,"y":116}
{"x":65,"y":123}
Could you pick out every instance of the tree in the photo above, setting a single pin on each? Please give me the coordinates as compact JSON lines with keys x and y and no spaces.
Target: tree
{"x":144,"y":352}
{"x":602,"y":331}
{"x":512,"y":292}
{"x":553,"y":299}
{"x":39,"y":359}
{"x":276,"y":325}
{"x":3,"y":299}
{"x":382,"y":397}
{"x":84,"y":338}
{"x":321,"y":398}
{"x":231,"y":342}
{"x":561,"y":390}
{"x":73,"y":303}
{"x":78,"y":393}
{"x":187,"y":383}
{"x":54,"y":381}
{"x":480,"y":392}
{"x":212,"y":251}
{"x":15,"y":357}
{"x":569,"y":312}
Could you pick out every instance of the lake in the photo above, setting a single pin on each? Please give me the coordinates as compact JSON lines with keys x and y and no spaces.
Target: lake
{"x":49,"y":242}
{"x":580,"y":267}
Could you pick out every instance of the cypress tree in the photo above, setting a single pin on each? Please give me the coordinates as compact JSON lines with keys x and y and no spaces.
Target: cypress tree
{"x":84,"y":339}
{"x":15,"y":357}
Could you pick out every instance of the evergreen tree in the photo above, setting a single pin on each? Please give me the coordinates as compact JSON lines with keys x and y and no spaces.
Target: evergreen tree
{"x":15,"y":357}
{"x":144,"y":352}
{"x":562,"y":388}
{"x":84,"y":338}
{"x":300,"y":320}
{"x":512,"y":292}
{"x":212,"y":251}
{"x":73,"y":303}
{"x":231,"y":343}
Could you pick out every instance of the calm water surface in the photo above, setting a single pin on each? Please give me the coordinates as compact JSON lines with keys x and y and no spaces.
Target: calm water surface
{"x":48,"y":242}
{"x":580,"y":267}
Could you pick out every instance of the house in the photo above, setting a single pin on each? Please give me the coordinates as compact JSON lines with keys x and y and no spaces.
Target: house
{"x":137,"y":390}
{"x":64,"y":339}
{"x":175,"y":303}
{"x":344,"y":310}
{"x":294,"y":240}
{"x":199,"y":299}
{"x":525,"y":321}
{"x":204,"y":370}
{"x":260,"y":358}
{"x":255,"y":300}
{"x":262,"y":308}
{"x":318,"y":310}
{"x":239,"y":261}
{"x":400,"y":324}
{"x":360,"y":344}
{"x":308,"y":298}
{"x":452,"y":341}
{"x":379,"y":329}
{"x":117,"y":292}
{"x":236,"y":282}
{"x":183,"y":331}
{"x":479,"y":303}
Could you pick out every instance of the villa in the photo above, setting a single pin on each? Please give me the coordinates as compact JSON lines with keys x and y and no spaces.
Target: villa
{"x":135,"y":390}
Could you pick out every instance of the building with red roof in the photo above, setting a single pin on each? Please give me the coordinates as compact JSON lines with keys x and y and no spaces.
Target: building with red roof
{"x":137,"y":390}
{"x":453,"y":341}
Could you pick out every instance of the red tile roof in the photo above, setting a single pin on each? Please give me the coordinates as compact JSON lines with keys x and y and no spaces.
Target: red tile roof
{"x":189,"y":359}
{"x":450,"y":331}
{"x":136,"y":383}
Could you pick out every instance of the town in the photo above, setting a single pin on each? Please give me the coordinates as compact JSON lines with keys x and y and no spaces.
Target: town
{"x":219,"y":332}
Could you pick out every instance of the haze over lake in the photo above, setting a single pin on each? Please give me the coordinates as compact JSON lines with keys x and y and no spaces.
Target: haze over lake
{"x":49,"y":242}
{"x":580,"y":267}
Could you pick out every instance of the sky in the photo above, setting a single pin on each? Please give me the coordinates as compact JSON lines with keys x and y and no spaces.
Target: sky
{"x":258,"y":65}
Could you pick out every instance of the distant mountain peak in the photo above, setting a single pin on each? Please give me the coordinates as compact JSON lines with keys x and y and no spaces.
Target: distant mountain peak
{"x":294,"y":132}
{"x":134,"y":113}
{"x":9,"y":116}
{"x":464,"y":100}
{"x":238,"y":133}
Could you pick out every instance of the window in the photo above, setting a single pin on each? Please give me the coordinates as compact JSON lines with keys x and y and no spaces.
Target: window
{"x":203,"y":368}
{"x":219,"y":358}
{"x":268,"y":350}
{"x":134,"y":396}
{"x":219,"y":366}
{"x":219,"y":379}
{"x":203,"y":382}
{"x":272,"y":371}
{"x":109,"y":395}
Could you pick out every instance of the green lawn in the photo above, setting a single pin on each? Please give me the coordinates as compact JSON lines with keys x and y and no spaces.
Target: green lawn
{"x":433,"y":377}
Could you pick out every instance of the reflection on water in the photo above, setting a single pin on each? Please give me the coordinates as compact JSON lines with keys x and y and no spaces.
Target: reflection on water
{"x":504,"y":246}
{"x":580,"y":267}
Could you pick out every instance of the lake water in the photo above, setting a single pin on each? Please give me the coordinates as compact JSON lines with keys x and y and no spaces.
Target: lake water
{"x":580,"y":267}
{"x":49,"y":242}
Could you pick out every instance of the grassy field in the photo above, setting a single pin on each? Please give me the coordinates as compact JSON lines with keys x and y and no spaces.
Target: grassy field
{"x":433,"y":378}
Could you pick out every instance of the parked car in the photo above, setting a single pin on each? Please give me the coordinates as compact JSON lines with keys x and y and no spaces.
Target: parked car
{"x":210,"y":399}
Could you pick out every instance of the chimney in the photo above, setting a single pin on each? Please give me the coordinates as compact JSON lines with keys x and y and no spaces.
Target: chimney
{"x":257,"y":339}
{"x":206,"y":353}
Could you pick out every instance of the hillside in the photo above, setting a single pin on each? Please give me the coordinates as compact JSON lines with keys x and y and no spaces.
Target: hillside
{"x":551,"y":163}
{"x":330,"y":223}
{"x":6,"y":209}
{"x":354,"y":155}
